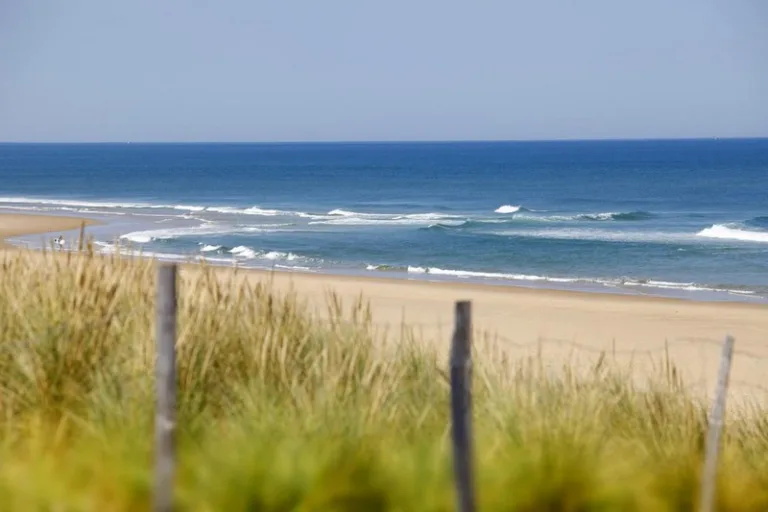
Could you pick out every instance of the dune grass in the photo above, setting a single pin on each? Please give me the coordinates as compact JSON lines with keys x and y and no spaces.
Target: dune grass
{"x":280,"y":410}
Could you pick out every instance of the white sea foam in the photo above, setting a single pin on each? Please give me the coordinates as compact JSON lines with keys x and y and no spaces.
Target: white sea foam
{"x":599,"y":216}
{"x":255,"y":210}
{"x":334,"y":214}
{"x":114,"y":208}
{"x":144,"y":237}
{"x":243,"y":252}
{"x":239,"y":254}
{"x":104,"y":212}
{"x":344,"y":213}
{"x":507,"y":208}
{"x":138,"y":238}
{"x":726,"y":232}
{"x":207,"y":228}
{"x":210,"y":248}
{"x":108,"y":248}
{"x":667,"y":285}
{"x":223,"y":209}
{"x":606,"y":216}
{"x":249,"y":253}
{"x":431,"y":217}
{"x":277,"y":255}
{"x":188,"y":208}
{"x":82,"y":205}
{"x":484,"y":275}
{"x":263,"y":212}
{"x":78,"y":205}
{"x":416,"y":216}
{"x":358,"y":221}
{"x":341,"y":217}
{"x":295,"y":268}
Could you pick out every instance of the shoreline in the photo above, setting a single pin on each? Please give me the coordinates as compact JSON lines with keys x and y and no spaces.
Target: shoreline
{"x":547,"y":286}
{"x":28,"y":224}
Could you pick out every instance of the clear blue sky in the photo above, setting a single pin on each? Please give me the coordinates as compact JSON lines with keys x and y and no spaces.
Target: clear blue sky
{"x":261,"y":70}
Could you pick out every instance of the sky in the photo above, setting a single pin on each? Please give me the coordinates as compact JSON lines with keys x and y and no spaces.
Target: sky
{"x":357,"y":70}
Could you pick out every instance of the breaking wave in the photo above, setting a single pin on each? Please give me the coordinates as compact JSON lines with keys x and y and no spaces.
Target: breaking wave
{"x":339,"y":217}
{"x":249,"y":253}
{"x":206,"y":229}
{"x":734,"y":232}
{"x":508,"y":208}
{"x":236,"y":254}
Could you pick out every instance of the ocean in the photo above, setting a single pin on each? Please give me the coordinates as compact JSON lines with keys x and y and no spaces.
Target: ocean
{"x":679,"y":218}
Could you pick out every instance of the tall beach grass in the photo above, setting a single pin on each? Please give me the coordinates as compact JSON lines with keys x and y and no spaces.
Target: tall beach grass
{"x":280,"y":410}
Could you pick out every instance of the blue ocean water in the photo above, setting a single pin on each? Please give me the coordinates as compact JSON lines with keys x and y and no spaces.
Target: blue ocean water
{"x":686,"y":218}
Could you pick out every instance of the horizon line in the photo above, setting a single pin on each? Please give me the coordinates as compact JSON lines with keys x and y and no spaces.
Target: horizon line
{"x":383,"y":141}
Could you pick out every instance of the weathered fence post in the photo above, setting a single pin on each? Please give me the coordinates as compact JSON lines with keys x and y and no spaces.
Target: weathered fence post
{"x":461,"y":407}
{"x":165,"y":371}
{"x":716,"y":421}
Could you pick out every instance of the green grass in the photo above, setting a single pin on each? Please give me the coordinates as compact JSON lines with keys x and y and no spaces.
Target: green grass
{"x":282,"y":411}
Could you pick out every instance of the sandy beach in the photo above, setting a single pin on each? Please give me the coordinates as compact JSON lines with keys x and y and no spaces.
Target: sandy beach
{"x":567,"y":327}
{"x":16,"y":225}
{"x":561,"y":326}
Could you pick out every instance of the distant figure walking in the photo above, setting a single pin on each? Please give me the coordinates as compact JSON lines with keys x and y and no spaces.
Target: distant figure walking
{"x":59,"y":242}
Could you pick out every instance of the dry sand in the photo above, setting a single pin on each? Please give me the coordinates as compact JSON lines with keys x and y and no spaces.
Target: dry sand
{"x":566,"y":326}
{"x":560,"y":325}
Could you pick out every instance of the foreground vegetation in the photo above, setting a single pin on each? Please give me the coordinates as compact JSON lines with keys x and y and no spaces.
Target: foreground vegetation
{"x":280,"y":411}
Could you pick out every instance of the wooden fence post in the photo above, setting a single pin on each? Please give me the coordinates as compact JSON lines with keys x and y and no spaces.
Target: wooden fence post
{"x":165,"y":371}
{"x":461,"y":407}
{"x":716,"y":421}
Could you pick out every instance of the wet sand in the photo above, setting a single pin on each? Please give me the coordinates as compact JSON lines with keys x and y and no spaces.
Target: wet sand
{"x":12,"y":225}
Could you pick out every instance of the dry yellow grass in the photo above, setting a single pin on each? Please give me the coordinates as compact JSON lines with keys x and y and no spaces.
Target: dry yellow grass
{"x":280,"y":409}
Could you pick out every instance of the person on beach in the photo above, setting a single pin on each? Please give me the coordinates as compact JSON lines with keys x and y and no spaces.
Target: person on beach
{"x":59,"y":242}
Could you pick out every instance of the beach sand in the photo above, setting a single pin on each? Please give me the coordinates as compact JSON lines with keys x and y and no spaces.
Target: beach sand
{"x":16,"y":225}
{"x":567,"y":327}
{"x":556,"y":326}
